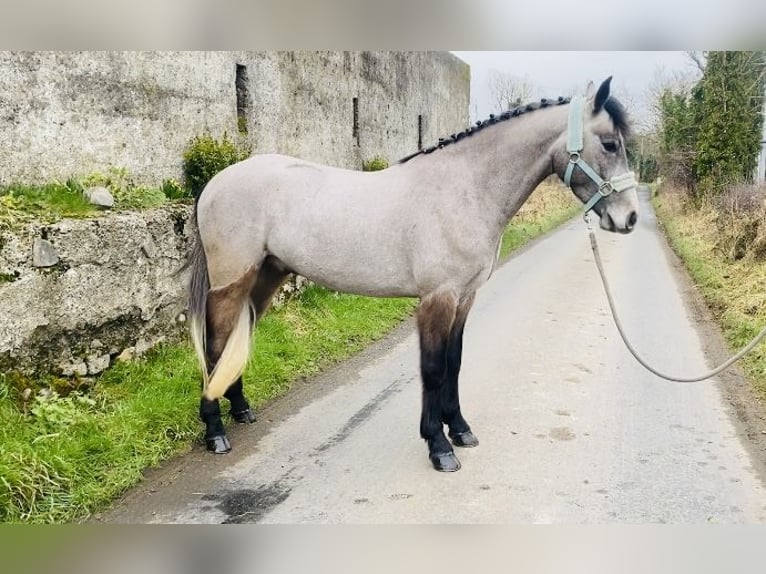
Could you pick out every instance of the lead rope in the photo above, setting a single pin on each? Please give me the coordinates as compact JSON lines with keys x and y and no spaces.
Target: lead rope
{"x":647,"y":366}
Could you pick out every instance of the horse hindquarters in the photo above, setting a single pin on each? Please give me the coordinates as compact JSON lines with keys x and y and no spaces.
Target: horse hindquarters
{"x":225,"y":344}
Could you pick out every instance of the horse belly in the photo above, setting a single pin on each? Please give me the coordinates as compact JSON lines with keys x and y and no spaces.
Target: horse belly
{"x":349,"y":267}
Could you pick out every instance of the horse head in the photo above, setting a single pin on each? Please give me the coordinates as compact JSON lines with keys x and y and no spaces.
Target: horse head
{"x":591,"y":159}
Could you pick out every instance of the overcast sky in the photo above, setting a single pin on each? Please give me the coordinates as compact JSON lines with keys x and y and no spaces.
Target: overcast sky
{"x":559,"y":73}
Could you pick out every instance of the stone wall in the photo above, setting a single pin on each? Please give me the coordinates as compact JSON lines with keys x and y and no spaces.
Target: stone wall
{"x":71,"y":114}
{"x":105,"y":285}
{"x":77,"y":294}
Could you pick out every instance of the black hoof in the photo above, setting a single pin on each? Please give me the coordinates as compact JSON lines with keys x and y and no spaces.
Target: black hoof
{"x":246,"y":417}
{"x":218,"y":444}
{"x":465,"y":439}
{"x":445,"y":462}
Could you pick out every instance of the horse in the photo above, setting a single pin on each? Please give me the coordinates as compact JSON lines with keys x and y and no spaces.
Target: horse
{"x":429,"y":227}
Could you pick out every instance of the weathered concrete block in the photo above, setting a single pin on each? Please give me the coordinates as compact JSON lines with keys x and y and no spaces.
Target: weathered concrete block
{"x":104,"y":304}
{"x":71,"y":369}
{"x":102,"y":301}
{"x":43,"y":253}
{"x":97,"y":364}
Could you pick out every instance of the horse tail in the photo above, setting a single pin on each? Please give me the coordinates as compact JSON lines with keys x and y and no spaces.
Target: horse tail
{"x":233,"y":358}
{"x":199,"y":287}
{"x":231,"y":364}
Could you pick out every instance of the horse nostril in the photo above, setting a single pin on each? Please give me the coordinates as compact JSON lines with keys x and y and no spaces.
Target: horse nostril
{"x":632,"y":219}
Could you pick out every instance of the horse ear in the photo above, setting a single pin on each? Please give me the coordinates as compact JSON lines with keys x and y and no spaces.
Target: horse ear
{"x":590,"y":90}
{"x":602,"y":95}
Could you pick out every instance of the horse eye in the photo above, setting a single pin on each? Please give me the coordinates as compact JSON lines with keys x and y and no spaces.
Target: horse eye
{"x":610,"y":146}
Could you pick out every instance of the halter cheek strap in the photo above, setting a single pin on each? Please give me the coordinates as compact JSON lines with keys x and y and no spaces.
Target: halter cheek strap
{"x":575,"y":145}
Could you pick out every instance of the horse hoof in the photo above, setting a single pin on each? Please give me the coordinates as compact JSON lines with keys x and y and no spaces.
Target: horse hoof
{"x":245,"y":417}
{"x":218,"y":444}
{"x":465,"y":439}
{"x":445,"y":462}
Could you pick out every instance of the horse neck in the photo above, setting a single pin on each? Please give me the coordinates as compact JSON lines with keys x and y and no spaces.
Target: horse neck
{"x":505,"y":162}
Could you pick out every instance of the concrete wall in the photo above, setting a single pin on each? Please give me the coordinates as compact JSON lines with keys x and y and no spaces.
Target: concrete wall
{"x":64,"y":114}
{"x":109,"y":287}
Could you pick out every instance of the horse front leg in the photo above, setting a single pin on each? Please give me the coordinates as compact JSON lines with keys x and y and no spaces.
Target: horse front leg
{"x":459,"y":430}
{"x":435,"y":318}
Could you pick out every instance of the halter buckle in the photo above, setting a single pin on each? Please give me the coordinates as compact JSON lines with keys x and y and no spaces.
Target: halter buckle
{"x":606,"y":188}
{"x":574,"y":157}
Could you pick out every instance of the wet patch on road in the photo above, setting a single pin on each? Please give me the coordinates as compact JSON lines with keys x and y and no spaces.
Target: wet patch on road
{"x":246,"y":506}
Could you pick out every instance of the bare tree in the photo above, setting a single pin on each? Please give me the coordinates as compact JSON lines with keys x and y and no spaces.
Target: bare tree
{"x":698,"y":58}
{"x":508,"y":90}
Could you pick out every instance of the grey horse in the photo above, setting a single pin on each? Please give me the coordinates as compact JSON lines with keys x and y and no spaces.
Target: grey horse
{"x":428,"y":227}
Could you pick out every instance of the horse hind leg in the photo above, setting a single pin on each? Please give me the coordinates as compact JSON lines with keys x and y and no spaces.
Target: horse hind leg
{"x":271,"y":276}
{"x":240,"y":409}
{"x":228,"y":327}
{"x":435,"y":318}
{"x":459,"y":429}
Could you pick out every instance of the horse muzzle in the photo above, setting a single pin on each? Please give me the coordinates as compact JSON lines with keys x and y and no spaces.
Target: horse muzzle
{"x":618,"y":224}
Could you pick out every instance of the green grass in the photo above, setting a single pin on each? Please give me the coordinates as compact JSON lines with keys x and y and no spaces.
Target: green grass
{"x":54,"y":201}
{"x":735,"y":291}
{"x":63,"y":458}
{"x":51,"y":202}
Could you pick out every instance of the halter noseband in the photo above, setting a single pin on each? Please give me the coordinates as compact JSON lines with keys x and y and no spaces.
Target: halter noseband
{"x":575,"y":145}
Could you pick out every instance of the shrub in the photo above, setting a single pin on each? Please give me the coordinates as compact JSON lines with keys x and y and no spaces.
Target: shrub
{"x":173,"y":189}
{"x":710,"y":135}
{"x":375,"y":164}
{"x":205,"y":156}
{"x":741,"y":213}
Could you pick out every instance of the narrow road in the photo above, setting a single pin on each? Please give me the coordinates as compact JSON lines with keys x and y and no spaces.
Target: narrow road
{"x":572,"y":429}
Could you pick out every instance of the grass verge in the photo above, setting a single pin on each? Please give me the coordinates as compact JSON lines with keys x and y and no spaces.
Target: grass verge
{"x":54,"y":201}
{"x":65,"y":457}
{"x":735,"y":291}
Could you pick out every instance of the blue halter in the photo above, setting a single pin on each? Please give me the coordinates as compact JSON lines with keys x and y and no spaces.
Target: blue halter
{"x":575,"y":145}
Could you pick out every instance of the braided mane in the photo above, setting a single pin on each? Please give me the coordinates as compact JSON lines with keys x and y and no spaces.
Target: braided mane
{"x":613,"y":107}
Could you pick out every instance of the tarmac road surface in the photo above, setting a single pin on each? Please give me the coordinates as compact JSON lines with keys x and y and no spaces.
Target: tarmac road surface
{"x":571,"y":428}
